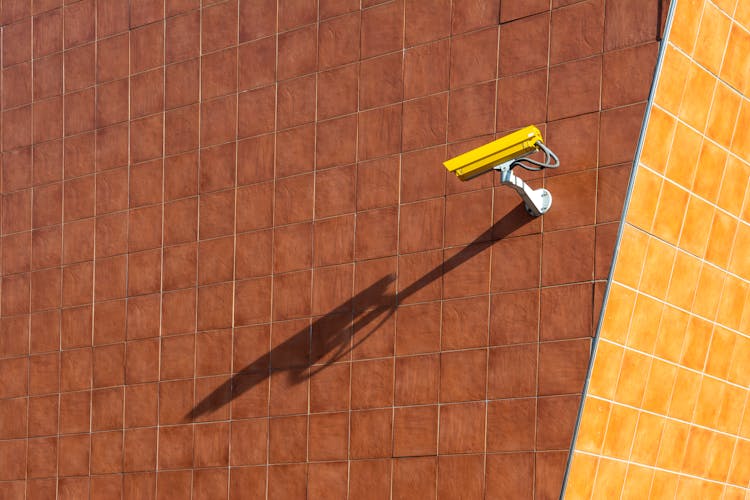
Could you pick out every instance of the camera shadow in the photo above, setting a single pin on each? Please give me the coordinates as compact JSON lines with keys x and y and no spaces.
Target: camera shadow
{"x":331,"y":337}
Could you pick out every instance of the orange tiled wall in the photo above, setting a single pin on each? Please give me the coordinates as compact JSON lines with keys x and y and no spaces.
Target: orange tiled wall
{"x":208,"y":208}
{"x":667,"y":411}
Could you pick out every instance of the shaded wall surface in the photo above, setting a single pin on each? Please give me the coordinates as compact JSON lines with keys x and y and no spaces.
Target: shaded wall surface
{"x":233,"y":265}
{"x":666,"y":413}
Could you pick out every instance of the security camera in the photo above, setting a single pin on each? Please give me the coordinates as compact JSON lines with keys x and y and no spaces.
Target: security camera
{"x":503,"y":155}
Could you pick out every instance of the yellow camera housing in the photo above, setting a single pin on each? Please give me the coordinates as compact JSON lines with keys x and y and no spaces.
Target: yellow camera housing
{"x":485,"y":158}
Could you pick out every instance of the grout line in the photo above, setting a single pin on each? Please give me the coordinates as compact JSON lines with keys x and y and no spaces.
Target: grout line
{"x":93,"y":257}
{"x":31,"y":283}
{"x":540,"y":243}
{"x":233,"y":330}
{"x":157,"y":464}
{"x":273,"y":243}
{"x":61,"y":262}
{"x":196,"y":284}
{"x":655,"y":468}
{"x":675,"y":364}
{"x":640,"y":410}
{"x":486,"y":341}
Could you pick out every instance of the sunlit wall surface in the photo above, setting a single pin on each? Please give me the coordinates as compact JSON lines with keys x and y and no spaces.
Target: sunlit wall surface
{"x":666,"y":413}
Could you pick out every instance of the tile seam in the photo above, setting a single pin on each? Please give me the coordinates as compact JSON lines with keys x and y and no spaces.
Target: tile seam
{"x":672,"y":363}
{"x":661,"y":469}
{"x":713,"y":322}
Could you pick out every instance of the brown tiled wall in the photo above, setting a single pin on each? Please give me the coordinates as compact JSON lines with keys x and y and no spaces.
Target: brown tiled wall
{"x":208,"y":212}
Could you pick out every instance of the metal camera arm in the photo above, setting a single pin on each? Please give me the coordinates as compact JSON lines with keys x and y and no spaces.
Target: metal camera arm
{"x":537,"y":201}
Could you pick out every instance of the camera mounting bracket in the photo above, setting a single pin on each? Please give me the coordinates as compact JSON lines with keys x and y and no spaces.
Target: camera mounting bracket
{"x":536,"y":201}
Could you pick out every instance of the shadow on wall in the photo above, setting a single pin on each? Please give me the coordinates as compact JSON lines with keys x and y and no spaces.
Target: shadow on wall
{"x":333,"y":332}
